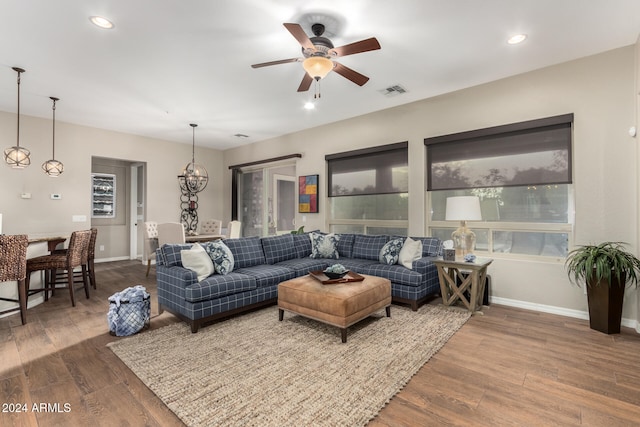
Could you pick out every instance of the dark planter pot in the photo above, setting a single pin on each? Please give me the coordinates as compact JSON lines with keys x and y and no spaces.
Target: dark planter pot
{"x":605,"y":305}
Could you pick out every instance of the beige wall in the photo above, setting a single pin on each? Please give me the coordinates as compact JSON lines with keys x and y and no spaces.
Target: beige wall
{"x":599,"y":90}
{"x":75,"y":147}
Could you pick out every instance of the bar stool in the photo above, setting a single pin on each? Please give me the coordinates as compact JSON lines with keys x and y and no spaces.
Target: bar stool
{"x":88,"y":258}
{"x":13,"y":266}
{"x":76,"y":256}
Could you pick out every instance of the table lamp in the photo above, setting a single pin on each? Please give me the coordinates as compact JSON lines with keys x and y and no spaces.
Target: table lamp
{"x":463,"y":209}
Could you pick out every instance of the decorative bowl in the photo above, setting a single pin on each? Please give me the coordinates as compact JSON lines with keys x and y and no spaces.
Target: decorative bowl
{"x":332,"y":275}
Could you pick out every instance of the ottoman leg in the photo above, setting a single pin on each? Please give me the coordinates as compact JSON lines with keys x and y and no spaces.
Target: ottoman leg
{"x":280,"y":314}
{"x":343,"y":334}
{"x":388,"y":310}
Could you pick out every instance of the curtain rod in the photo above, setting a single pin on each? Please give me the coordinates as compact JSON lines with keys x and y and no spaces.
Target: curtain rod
{"x":259,"y":162}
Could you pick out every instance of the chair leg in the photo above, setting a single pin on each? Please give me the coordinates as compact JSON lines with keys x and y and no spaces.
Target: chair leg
{"x":92,"y":274}
{"x":70,"y":282}
{"x":22,"y":296}
{"x":148,"y":267}
{"x":85,"y":281}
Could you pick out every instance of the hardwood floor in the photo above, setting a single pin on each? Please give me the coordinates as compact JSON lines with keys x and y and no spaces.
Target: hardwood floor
{"x":508,"y":367}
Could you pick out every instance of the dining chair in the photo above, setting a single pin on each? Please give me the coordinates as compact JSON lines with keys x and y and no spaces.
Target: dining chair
{"x":13,"y":267}
{"x":170,"y":232}
{"x":233,"y":229}
{"x":75,"y":256}
{"x":150,"y":243}
{"x":211,"y":226}
{"x":88,"y":259}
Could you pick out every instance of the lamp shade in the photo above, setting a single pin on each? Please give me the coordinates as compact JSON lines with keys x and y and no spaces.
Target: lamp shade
{"x":463,"y":208}
{"x":317,"y":66}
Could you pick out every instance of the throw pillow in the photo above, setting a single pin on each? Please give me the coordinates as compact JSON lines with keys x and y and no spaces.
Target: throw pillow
{"x":411,"y":251}
{"x":390,"y":252}
{"x":197,"y":260}
{"x":324,"y":245}
{"x":221,"y":256}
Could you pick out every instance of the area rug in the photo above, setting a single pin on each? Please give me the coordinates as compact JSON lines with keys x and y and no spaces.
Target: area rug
{"x":253,"y":370}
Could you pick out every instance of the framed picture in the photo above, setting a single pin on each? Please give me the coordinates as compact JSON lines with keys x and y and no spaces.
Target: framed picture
{"x":308,"y":194}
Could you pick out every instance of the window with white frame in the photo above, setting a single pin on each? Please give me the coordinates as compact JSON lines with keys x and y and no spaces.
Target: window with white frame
{"x":522,"y":175}
{"x":368,"y":190}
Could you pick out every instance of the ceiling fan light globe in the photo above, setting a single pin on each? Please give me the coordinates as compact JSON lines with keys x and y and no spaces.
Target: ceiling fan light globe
{"x":317,"y":66}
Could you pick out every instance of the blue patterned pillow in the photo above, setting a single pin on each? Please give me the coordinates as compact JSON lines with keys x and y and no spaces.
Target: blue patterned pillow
{"x":391,"y":251}
{"x":221,"y":256}
{"x":324,"y":245}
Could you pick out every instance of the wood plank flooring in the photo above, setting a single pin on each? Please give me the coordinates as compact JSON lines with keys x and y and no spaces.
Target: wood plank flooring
{"x":508,"y":367}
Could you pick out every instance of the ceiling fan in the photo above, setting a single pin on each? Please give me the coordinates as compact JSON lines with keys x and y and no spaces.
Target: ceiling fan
{"x":318,"y":53}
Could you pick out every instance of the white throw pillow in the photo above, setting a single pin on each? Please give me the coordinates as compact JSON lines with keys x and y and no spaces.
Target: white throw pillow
{"x":411,"y":251}
{"x":197,"y":260}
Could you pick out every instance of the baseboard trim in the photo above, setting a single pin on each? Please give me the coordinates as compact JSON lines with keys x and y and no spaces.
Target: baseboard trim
{"x":577,"y":314}
{"x":119,"y":258}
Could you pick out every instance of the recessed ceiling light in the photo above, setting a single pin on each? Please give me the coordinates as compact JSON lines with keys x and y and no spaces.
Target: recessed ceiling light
{"x":101,"y":22}
{"x":309,"y":105}
{"x":518,"y":38}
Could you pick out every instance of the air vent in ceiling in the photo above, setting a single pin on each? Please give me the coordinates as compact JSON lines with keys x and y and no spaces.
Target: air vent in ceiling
{"x":393,"y":90}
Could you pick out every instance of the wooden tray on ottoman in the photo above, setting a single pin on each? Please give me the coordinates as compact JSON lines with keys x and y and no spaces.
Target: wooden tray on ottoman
{"x":349,"y":277}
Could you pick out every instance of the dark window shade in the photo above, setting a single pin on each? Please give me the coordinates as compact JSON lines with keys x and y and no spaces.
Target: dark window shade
{"x":377,"y":170}
{"x":527,"y":153}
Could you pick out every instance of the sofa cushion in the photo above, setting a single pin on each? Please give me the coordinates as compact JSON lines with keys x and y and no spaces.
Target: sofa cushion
{"x":358,"y":265}
{"x":218,"y":286}
{"x":345,"y":245}
{"x":302,"y":245}
{"x":171,"y":254}
{"x":396,"y":273}
{"x":411,"y":251}
{"x":368,"y":247}
{"x":390,"y":251}
{"x":278,"y":248}
{"x":197,"y":260}
{"x":431,"y":246}
{"x":268,"y":275}
{"x":247,"y":251}
{"x":324,"y":245}
{"x":221,"y":256}
{"x":303,"y":266}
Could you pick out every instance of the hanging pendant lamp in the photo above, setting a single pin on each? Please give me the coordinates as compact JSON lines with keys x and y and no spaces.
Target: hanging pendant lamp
{"x":52,"y":167}
{"x":194,"y":177}
{"x":17,"y":157}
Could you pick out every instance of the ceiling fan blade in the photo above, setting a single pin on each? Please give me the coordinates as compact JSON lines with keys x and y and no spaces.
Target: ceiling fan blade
{"x":299,"y":34}
{"x":356,"y":47}
{"x":305,"y":84}
{"x":350,"y":74}
{"x":281,"y":61}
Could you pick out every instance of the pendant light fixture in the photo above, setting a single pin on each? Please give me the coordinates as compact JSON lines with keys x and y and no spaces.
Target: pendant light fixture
{"x":17,"y":157}
{"x":52,"y":167}
{"x":194,"y":177}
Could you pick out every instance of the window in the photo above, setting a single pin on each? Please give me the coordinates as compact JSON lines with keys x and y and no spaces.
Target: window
{"x":368,"y":190}
{"x":264,"y":196}
{"x":522,"y":175}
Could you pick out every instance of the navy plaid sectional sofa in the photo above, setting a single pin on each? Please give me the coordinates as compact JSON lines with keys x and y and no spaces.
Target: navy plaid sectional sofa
{"x":262,"y":263}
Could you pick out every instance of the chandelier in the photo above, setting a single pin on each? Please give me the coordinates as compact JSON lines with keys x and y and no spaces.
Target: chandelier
{"x":53,"y":167}
{"x":17,"y":157}
{"x":194,"y":177}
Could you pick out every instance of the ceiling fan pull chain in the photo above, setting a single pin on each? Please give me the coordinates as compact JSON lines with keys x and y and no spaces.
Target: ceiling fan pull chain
{"x":317,"y":86}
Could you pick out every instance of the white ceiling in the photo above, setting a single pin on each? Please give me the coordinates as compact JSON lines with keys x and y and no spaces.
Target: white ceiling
{"x":168,"y":63}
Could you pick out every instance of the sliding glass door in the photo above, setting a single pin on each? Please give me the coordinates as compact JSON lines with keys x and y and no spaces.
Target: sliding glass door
{"x":267,"y":199}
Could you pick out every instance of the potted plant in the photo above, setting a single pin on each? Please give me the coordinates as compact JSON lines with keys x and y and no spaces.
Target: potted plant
{"x":606,"y":269}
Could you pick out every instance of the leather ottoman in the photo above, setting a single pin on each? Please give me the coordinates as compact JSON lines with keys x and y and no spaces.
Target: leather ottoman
{"x":340,"y":305}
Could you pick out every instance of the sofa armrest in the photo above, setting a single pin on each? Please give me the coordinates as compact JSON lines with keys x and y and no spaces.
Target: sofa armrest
{"x":424,"y":265}
{"x":172,"y":281}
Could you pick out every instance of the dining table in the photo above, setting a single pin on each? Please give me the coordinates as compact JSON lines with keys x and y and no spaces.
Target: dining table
{"x":52,"y":241}
{"x":203,"y":237}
